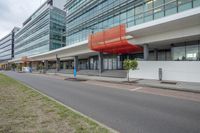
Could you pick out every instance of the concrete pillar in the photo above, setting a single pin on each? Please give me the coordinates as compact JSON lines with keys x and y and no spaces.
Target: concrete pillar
{"x":146,"y":51}
{"x":100,"y":62}
{"x":58,"y":64}
{"x":76,"y":62}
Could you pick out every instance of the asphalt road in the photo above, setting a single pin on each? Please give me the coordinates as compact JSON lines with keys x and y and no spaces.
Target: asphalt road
{"x":122,"y":110}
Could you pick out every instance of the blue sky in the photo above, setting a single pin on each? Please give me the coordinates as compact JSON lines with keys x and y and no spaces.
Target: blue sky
{"x":15,"y":12}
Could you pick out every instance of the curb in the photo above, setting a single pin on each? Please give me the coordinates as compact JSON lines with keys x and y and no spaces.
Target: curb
{"x":172,"y":88}
{"x":70,"y":108}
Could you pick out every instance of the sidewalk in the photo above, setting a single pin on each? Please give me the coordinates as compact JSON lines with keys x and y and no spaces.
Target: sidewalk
{"x":181,"y":86}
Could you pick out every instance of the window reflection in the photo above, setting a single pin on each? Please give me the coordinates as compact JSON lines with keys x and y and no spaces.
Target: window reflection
{"x":189,"y":52}
{"x":196,"y":3}
{"x":179,"y":53}
{"x":170,"y":7}
{"x":192,"y":52}
{"x":184,"y":5}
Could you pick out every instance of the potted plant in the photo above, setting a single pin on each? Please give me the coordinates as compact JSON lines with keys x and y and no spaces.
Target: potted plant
{"x":130,"y":65}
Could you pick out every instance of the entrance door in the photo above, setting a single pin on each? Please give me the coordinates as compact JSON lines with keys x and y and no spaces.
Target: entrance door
{"x":111,"y":62}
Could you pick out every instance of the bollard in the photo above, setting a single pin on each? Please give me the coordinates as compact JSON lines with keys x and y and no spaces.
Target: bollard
{"x":160,"y":74}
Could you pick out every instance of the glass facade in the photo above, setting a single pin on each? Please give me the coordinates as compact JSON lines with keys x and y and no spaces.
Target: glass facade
{"x":57,"y":29}
{"x":84,"y":17}
{"x":187,"y":51}
{"x":7,"y":46}
{"x":42,"y":32}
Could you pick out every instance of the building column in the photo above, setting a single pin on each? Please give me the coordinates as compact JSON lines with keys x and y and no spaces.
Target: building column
{"x":57,"y":64}
{"x":100,"y":55}
{"x":76,"y":62}
{"x":146,"y":51}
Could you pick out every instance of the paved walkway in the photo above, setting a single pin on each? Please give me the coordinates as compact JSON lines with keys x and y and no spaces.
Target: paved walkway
{"x":128,"y":111}
{"x":183,"y":86}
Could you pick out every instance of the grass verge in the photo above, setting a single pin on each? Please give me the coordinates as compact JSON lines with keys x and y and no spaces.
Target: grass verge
{"x":24,"y":110}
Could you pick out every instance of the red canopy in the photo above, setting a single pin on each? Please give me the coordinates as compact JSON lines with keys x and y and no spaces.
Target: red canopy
{"x":113,"y":41}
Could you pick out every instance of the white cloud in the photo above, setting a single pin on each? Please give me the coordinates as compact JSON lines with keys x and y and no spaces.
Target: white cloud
{"x":15,"y":12}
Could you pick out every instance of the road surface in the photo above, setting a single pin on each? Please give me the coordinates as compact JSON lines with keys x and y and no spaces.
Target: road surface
{"x":123,"y":110}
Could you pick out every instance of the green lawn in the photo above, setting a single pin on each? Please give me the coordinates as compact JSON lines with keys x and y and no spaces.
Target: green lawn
{"x":25,"y":110}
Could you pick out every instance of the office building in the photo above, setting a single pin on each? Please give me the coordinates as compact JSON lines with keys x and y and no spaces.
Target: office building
{"x":7,"y":47}
{"x":101,"y":34}
{"x":41,"y":32}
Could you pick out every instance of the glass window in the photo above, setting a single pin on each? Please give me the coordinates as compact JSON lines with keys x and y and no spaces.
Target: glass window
{"x":192,"y":52}
{"x":148,"y":15}
{"x":161,"y":56}
{"x":158,"y":12}
{"x":170,"y":7}
{"x":105,"y":24}
{"x":139,"y":14}
{"x":178,"y":53}
{"x":158,"y":9}
{"x":116,"y":20}
{"x":139,"y":10}
{"x":105,"y":64}
{"x":184,"y":5}
{"x":130,"y":16}
{"x":196,"y":3}
{"x":131,"y":23}
{"x":114,"y":63}
{"x":110,"y":22}
{"x":123,"y":16}
{"x":148,"y":5}
{"x":130,"y":13}
{"x":158,"y":3}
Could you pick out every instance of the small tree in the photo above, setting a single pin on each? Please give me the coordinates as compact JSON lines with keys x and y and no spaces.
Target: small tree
{"x":130,"y":65}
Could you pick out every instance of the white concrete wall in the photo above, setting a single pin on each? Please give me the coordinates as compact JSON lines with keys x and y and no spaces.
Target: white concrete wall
{"x":188,"y":71}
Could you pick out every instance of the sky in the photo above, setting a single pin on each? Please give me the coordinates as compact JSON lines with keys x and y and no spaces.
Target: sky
{"x":14,"y":12}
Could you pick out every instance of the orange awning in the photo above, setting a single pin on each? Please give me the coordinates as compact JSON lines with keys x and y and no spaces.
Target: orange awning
{"x":113,"y":41}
